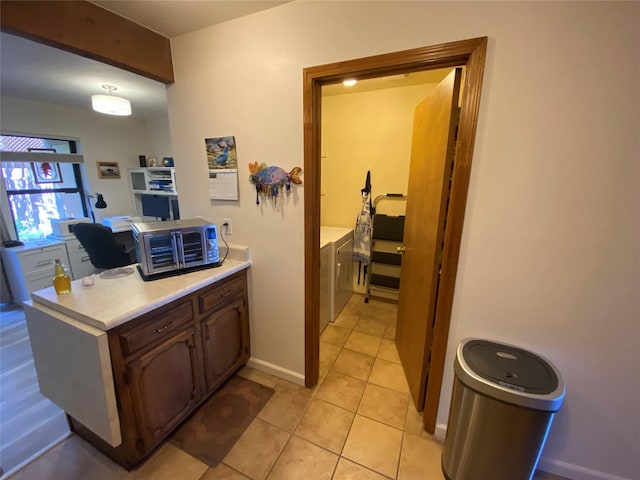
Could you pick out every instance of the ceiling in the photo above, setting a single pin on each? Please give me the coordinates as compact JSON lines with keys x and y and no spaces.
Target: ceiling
{"x":176,"y":17}
{"x":33,"y":71}
{"x":393,"y":81}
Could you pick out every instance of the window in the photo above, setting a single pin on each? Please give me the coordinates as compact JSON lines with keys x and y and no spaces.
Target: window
{"x":40,"y":188}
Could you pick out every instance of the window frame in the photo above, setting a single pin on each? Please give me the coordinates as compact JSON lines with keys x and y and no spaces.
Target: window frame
{"x":76,"y":159}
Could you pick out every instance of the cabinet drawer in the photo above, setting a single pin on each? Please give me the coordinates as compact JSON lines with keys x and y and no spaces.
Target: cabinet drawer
{"x":156,"y":328}
{"x":39,"y":280}
{"x":220,"y":295}
{"x":81,"y":266}
{"x":42,"y":259}
{"x":79,"y":260}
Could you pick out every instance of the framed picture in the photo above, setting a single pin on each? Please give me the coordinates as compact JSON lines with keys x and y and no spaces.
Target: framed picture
{"x":46,"y":172}
{"x":108,"y":170}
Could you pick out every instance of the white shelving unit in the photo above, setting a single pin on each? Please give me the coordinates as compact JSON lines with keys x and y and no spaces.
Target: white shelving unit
{"x":153,"y":180}
{"x":156,"y":181}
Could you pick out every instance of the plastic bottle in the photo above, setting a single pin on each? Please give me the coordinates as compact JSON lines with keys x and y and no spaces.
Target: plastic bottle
{"x":62,"y":280}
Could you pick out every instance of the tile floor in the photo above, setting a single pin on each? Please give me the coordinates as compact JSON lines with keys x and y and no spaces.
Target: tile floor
{"x":358,"y":423}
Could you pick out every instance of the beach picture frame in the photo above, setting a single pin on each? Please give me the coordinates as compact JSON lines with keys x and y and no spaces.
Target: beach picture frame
{"x":108,"y":170}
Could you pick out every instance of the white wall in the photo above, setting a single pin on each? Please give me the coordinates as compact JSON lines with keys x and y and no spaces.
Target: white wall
{"x":103,"y":138}
{"x":158,"y":138}
{"x":367,"y":131}
{"x":549,"y":256}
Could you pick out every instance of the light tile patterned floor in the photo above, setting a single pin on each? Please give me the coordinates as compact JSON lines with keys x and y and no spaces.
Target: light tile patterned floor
{"x":359,"y":423}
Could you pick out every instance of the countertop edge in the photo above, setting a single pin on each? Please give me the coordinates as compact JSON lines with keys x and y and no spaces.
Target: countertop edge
{"x":190,"y":282}
{"x":131,"y":314}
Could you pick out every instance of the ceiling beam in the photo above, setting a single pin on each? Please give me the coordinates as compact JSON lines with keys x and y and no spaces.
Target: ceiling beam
{"x":91,"y":31}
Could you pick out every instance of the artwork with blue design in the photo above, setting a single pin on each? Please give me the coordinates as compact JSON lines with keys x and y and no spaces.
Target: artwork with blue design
{"x":221,"y":153}
{"x":222,"y":163}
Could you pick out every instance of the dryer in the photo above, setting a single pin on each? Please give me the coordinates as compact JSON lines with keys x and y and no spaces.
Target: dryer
{"x":343,"y":272}
{"x":326,"y":272}
{"x":336,"y":271}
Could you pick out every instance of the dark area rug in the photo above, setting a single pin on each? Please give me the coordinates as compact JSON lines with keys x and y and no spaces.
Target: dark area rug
{"x":218,"y":424}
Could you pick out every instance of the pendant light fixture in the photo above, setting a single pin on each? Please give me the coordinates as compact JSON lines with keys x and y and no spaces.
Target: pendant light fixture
{"x":109,"y":104}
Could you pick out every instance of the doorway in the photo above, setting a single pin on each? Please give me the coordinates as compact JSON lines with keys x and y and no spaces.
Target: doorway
{"x":468,"y":53}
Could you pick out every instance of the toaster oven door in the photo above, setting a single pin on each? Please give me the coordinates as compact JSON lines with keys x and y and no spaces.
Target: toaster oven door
{"x":192,"y":247}
{"x":161,"y":252}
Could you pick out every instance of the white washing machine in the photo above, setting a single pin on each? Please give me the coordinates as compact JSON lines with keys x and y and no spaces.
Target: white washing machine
{"x":336,"y":269}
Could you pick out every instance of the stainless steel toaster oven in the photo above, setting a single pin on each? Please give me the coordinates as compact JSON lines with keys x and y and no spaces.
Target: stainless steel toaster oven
{"x":173,"y":247}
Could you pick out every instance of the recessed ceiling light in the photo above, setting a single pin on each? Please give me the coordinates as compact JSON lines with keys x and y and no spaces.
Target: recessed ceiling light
{"x":350,"y":83}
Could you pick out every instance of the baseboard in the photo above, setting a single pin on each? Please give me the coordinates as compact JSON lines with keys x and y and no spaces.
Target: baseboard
{"x":277,"y":371}
{"x":575,"y":472}
{"x":440,"y":432}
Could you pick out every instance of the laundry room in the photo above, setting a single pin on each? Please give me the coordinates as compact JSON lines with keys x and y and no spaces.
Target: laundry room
{"x":365,"y":151}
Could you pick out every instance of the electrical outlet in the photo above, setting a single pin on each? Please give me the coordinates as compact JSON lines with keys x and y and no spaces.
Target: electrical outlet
{"x":227,"y":228}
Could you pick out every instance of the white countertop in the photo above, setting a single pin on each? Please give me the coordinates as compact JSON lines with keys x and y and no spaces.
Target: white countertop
{"x":332,"y":234}
{"x":36,"y":244}
{"x":112,"y":302}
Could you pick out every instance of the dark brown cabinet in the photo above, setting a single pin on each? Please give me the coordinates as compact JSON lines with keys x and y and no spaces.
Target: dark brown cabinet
{"x":226,"y":345}
{"x":164,"y":388}
{"x":169,"y":361}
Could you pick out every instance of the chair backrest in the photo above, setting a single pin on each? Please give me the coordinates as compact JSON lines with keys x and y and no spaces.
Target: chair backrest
{"x":102,"y":246}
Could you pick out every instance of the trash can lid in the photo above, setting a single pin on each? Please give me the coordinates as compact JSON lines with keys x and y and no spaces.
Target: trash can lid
{"x":510,"y":374}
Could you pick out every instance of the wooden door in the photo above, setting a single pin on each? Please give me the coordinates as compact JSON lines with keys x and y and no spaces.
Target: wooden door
{"x":226,"y":342}
{"x":164,"y":386}
{"x":430,"y":170}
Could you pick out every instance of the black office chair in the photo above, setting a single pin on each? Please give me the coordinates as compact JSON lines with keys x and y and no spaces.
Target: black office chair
{"x":100,"y":243}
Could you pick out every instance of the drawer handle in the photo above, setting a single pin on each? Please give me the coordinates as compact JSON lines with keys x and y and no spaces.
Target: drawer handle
{"x":45,"y":262}
{"x":85,"y":258}
{"x":226,"y":294}
{"x":162,"y":329}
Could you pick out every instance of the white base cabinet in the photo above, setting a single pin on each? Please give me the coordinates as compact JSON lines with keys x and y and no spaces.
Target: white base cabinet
{"x":79,"y":261}
{"x":29,"y":267}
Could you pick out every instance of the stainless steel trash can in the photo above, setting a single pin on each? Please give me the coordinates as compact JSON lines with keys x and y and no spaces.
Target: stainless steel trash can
{"x":504,"y":400}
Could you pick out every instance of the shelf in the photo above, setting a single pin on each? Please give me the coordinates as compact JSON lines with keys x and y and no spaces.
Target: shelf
{"x":153,"y":180}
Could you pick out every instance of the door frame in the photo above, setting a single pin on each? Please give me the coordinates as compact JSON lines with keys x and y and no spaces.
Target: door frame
{"x":468,"y":53}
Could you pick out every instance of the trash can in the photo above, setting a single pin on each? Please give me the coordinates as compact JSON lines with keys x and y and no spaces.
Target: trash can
{"x":504,"y":400}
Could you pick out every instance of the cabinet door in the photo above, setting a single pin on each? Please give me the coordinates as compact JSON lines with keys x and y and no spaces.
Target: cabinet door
{"x":164,"y":386}
{"x":226,"y":342}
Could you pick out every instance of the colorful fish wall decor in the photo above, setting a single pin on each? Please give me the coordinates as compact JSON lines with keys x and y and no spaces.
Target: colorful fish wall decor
{"x":270,"y":180}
